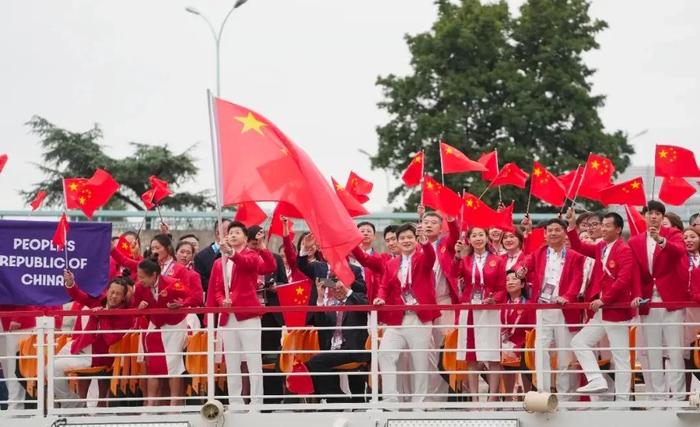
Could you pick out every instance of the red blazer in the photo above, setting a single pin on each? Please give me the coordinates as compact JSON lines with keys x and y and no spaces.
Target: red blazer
{"x":26,"y":322}
{"x":102,"y":341}
{"x":423,"y":285}
{"x":512,"y":317}
{"x":613,"y":286}
{"x":494,"y":277}
{"x":248,"y":264}
{"x":569,"y":283}
{"x":290,"y":253}
{"x":445,"y":255}
{"x":121,"y":261}
{"x":375,"y":267}
{"x":670,"y":275}
{"x":169,"y":289}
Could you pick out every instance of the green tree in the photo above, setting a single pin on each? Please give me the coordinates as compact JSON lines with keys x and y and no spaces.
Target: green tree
{"x":482,"y":80}
{"x":78,"y":154}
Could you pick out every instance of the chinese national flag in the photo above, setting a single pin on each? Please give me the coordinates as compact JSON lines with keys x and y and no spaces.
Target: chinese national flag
{"x":635,"y":221}
{"x":160,"y":189}
{"x":359,"y":188}
{"x":490,"y":161}
{"x":597,"y":175}
{"x":353,"y":206}
{"x":3,"y":161}
{"x":511,"y":174}
{"x":90,"y":194}
{"x":534,"y":240}
{"x":250,"y":214}
{"x":546,"y":187}
{"x":259,"y":163}
{"x":294,"y":294}
{"x":147,"y":199}
{"x":276,"y":223}
{"x":625,"y":193}
{"x":676,"y":191}
{"x":414,"y":172}
{"x":675,"y":161}
{"x":60,"y":237}
{"x":478,"y":214}
{"x":440,"y":198}
{"x":124,"y":247}
{"x":454,"y":161}
{"x":38,"y":200}
{"x":572,"y":181}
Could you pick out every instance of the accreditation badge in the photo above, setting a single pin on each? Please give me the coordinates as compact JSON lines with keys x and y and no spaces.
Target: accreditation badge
{"x":477,"y":296}
{"x":408,"y":297}
{"x":547,"y":293}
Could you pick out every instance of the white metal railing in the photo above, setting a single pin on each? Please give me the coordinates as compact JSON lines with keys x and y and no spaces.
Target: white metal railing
{"x":44,"y":402}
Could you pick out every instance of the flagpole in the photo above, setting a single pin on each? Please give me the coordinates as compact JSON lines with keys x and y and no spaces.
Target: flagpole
{"x":653,"y":186}
{"x":629,"y":217}
{"x":500,"y":196}
{"x":65,"y":232}
{"x":485,"y":190}
{"x":442,"y":174}
{"x":578,"y":188}
{"x":529,"y":198}
{"x":568,"y":190}
{"x":216,"y":155}
{"x":159,"y":214}
{"x":422,"y":178}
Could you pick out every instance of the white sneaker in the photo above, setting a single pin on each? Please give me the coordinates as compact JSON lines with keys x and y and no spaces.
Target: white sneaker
{"x":595,"y":386}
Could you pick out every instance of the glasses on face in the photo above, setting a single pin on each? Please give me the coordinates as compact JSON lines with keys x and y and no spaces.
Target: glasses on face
{"x":593,"y":224}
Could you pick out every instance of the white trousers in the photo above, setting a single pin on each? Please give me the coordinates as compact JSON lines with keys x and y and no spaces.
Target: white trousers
{"x":396,"y":339}
{"x":561,"y":337}
{"x":436,"y":384}
{"x":248,"y":341}
{"x":671,"y":337}
{"x":9,"y":346}
{"x":618,"y":336}
{"x":64,"y":361}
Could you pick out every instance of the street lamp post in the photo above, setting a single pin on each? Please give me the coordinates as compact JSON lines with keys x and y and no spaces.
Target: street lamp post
{"x":217,"y":37}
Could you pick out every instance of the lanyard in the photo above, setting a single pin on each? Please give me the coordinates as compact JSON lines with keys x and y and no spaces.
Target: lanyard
{"x":165,"y":270}
{"x":475,"y":266}
{"x":407,"y":282}
{"x":510,"y":311}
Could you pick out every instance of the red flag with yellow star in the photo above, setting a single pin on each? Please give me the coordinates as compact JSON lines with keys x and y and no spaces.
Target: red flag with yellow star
{"x":625,"y":193}
{"x":490,"y":162}
{"x":572,"y":181}
{"x":294,"y":294}
{"x":676,"y":191}
{"x":597,"y":175}
{"x":510,"y":174}
{"x":90,"y":194}
{"x":546,"y":187}
{"x":147,"y":199}
{"x":250,"y":214}
{"x":257,"y":162}
{"x":124,"y":247}
{"x":476,"y":213}
{"x":414,"y":171}
{"x":354,"y":207}
{"x":160,"y":188}
{"x":440,"y":197}
{"x":454,"y":161}
{"x":675,"y":161}
{"x":359,"y":188}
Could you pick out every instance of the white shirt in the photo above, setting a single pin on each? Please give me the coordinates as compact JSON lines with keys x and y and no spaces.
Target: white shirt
{"x":405,"y":270}
{"x":479,"y":263}
{"x":606,"y":253}
{"x":554,"y":268}
{"x":694,"y":261}
{"x":442,"y":292}
{"x":510,"y":260}
{"x":651,"y":247}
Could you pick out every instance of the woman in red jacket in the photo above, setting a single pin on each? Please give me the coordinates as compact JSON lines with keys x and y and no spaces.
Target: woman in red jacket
{"x":166,"y":332}
{"x":691,"y":238}
{"x":513,"y":335}
{"x":484,"y":277}
{"x":91,"y":349}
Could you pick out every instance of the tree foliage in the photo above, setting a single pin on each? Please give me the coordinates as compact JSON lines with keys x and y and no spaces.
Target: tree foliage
{"x":78,"y":154}
{"x":482,"y":79}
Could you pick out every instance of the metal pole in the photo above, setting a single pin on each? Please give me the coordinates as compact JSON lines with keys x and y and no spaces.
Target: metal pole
{"x":210,"y":356}
{"x":374,"y":363}
{"x":50,"y":340}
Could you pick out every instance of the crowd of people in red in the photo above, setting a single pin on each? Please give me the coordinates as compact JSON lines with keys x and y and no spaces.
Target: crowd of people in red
{"x":583,"y":258}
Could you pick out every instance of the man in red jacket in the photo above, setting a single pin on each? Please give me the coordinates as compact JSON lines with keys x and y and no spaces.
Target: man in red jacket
{"x":611,"y":283}
{"x":241,"y":330}
{"x":661,"y":278}
{"x":408,"y":281}
{"x":557,"y":274}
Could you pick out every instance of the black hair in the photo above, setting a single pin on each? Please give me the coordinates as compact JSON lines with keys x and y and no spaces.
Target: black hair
{"x":150,"y":266}
{"x":237,"y":224}
{"x":182,"y":243}
{"x":166,"y":242}
{"x":433,"y":214}
{"x":301,"y":238}
{"x":523,"y":290}
{"x":390,"y":229}
{"x":557,"y":221}
{"x":692,"y":218}
{"x":654,"y":205}
{"x":617,"y":220}
{"x":583,"y":217}
{"x":406,"y":227}
{"x":374,"y":230}
{"x":675,"y":220}
{"x":187,"y":236}
{"x":598,"y":215}
{"x":252,"y":231}
{"x":115,"y":238}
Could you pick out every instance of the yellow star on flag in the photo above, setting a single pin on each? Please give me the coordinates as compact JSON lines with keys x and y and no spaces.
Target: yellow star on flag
{"x":338,"y":186}
{"x":73,"y":186}
{"x":595,"y":164}
{"x":250,"y":123}
{"x":418,"y":159}
{"x":125,"y":245}
{"x":537,"y":172}
{"x":81,"y":200}
{"x":470,"y":203}
{"x":635,"y":185}
{"x":300,"y":290}
{"x":448,"y":150}
{"x":429,"y":185}
{"x":663,"y":154}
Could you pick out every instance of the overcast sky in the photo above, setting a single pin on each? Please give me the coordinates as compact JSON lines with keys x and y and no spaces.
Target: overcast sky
{"x":140,"y":69}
